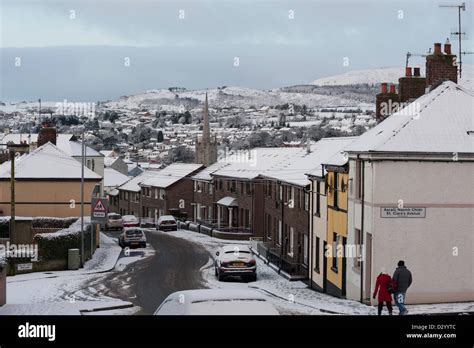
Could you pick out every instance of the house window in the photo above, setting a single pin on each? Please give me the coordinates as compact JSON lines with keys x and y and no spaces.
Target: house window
{"x":220,"y":184}
{"x":93,"y":165}
{"x":228,"y":185}
{"x":269,"y":226}
{"x":156,"y":193}
{"x":357,"y":241}
{"x":242,"y":188}
{"x":233,"y":186}
{"x":335,"y":191}
{"x":317,"y":257}
{"x":280,"y":232}
{"x":162,"y":194}
{"x":281,"y":192}
{"x":292,"y":241}
{"x":248,"y":188}
{"x":335,"y":243}
{"x":89,"y":164}
{"x":211,"y":188}
{"x":305,"y":249}
{"x":199,"y":186}
{"x":318,"y":198}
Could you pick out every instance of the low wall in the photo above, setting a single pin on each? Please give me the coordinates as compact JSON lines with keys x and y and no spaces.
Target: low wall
{"x":3,"y":285}
{"x":196,"y":227}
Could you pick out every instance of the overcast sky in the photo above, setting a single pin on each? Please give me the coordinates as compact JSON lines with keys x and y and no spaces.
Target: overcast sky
{"x":101,"y":49}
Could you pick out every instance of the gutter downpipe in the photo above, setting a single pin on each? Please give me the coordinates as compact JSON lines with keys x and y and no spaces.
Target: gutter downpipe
{"x":362,"y":196}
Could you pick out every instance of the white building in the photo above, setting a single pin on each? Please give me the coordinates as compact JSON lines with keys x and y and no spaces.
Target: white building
{"x":411,"y":198}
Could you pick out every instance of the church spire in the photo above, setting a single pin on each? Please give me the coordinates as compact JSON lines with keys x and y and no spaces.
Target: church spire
{"x":206,"y":133}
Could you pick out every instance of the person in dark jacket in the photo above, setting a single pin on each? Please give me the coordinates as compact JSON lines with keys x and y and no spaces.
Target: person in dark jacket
{"x":383,"y":286}
{"x":401,"y":282}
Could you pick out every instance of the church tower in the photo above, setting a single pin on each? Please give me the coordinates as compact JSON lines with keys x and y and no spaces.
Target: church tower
{"x":206,"y":148}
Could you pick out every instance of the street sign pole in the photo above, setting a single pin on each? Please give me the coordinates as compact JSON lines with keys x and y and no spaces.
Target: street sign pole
{"x":82,"y":200}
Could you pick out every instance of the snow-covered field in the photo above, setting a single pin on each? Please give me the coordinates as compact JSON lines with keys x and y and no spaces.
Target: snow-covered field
{"x":294,"y":297}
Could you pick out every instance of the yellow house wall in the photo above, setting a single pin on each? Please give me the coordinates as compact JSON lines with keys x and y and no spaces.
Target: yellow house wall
{"x":46,"y":198}
{"x":337,"y":222}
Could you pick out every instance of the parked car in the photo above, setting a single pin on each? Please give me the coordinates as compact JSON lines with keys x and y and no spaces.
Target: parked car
{"x":130,"y":221}
{"x":167,"y":223}
{"x":132,"y":237}
{"x":216,"y":302}
{"x":235,"y":260}
{"x":114,"y":222}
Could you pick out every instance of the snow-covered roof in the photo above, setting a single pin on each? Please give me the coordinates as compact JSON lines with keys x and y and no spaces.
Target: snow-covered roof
{"x":32,"y":138}
{"x":437,"y":122}
{"x":171,"y":174}
{"x":73,"y":148}
{"x":108,"y":161}
{"x":47,"y":162}
{"x":133,"y":183}
{"x":288,"y":164}
{"x":205,"y":174}
{"x":113,"y":178}
{"x":228,"y":201}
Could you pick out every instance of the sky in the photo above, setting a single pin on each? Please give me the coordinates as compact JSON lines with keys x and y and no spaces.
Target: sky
{"x":89,"y":50}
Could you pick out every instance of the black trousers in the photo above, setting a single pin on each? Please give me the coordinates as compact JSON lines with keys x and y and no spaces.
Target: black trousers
{"x":380,"y":306}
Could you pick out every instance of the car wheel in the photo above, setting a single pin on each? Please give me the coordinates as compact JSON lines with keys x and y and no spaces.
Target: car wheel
{"x":220,"y":277}
{"x":253,"y":278}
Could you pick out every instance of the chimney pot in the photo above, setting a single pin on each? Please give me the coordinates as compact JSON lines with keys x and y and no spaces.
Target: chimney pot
{"x":384,"y":87}
{"x":437,"y":48}
{"x":407,"y":71}
{"x":416,"y":71}
{"x":447,"y":47}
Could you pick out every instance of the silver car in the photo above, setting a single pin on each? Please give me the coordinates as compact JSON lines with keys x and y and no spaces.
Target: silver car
{"x":235,"y":260}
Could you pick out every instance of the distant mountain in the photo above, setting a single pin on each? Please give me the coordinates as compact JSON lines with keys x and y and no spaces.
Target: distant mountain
{"x":366,"y":76}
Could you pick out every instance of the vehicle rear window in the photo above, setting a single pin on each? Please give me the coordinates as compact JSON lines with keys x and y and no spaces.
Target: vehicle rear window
{"x":115,"y":217}
{"x":238,"y":251}
{"x":134,"y":233}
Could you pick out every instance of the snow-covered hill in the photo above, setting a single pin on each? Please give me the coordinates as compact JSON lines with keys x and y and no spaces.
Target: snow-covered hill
{"x":367,"y":76}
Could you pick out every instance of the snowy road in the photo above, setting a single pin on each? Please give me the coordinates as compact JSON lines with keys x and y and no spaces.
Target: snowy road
{"x":175,"y":266}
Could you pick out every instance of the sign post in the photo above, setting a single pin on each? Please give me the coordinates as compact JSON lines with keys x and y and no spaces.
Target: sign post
{"x":99,"y":210}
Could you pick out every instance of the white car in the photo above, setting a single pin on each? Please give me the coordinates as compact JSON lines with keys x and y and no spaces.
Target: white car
{"x":114,"y":221}
{"x":216,"y":302}
{"x":132,"y":237}
{"x":235,"y":260}
{"x":167,"y":223}
{"x":130,"y":221}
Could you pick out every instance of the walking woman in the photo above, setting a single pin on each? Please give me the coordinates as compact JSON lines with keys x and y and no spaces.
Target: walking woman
{"x":383,"y":287}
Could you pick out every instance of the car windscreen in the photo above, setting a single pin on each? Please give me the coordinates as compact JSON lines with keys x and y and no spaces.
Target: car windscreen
{"x":114,"y":217}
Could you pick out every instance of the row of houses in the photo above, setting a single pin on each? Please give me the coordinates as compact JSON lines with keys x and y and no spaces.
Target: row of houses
{"x":338,"y":211}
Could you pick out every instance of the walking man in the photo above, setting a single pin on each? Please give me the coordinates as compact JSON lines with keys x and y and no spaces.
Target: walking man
{"x":401,"y":282}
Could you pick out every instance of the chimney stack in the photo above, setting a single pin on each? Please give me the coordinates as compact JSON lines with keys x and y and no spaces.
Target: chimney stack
{"x":447,"y":47}
{"x":385,"y":102}
{"x":411,"y":86}
{"x":441,"y":66}
{"x":47,"y":134}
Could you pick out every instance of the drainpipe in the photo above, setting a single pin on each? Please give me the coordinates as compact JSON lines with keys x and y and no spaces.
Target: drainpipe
{"x":310,"y":234}
{"x":362,"y":197}
{"x":282,"y":224}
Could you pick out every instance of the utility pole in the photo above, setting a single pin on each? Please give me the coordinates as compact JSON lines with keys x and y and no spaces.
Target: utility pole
{"x":12,"y":191}
{"x":458,"y":33}
{"x":82,"y":198}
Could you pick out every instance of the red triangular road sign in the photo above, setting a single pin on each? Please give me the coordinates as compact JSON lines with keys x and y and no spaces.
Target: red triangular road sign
{"x":99,"y":206}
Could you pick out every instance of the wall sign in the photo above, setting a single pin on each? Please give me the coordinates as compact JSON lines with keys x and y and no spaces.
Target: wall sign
{"x":406,"y":212}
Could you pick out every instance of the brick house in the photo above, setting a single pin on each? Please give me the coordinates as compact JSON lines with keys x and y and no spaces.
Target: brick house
{"x":169,"y":191}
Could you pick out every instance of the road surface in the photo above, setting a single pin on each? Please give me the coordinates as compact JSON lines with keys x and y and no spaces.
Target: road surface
{"x":146,"y":283}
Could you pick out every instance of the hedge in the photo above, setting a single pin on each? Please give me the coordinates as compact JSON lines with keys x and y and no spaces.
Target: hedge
{"x":53,"y":246}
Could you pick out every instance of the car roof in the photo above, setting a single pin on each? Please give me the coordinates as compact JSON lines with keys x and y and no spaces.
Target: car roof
{"x":167,"y":217}
{"x":133,"y":228}
{"x":232,"y":247}
{"x":203,"y":295}
{"x":129,"y":216}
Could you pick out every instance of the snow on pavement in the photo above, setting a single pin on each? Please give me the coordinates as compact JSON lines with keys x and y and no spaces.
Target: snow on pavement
{"x":295,"y":297}
{"x":68,"y":292}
